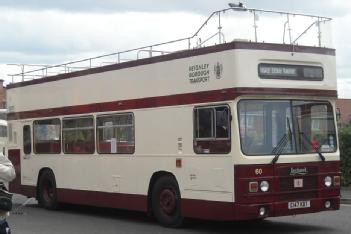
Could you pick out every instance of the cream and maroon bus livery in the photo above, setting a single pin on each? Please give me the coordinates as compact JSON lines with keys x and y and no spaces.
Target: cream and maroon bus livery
{"x":233,"y":131}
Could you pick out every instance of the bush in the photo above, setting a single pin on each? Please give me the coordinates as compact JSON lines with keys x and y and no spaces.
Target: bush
{"x":345,"y":155}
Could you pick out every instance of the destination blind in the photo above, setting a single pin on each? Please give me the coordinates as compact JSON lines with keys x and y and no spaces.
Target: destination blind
{"x":290,"y":72}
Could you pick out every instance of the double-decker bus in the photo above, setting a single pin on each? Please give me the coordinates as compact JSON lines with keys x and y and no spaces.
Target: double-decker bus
{"x":236,"y":130}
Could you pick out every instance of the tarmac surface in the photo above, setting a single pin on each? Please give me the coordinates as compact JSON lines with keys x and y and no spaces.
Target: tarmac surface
{"x":346,"y":195}
{"x":28,"y":218}
{"x":31,"y":219}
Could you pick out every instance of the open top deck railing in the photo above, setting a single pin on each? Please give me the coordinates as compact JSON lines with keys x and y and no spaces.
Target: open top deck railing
{"x":295,"y":29}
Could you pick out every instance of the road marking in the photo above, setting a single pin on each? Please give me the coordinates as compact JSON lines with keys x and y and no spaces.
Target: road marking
{"x":347,"y":205}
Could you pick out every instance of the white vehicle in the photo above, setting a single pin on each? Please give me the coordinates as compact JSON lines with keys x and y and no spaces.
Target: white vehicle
{"x":237,"y":130}
{"x":3,"y":130}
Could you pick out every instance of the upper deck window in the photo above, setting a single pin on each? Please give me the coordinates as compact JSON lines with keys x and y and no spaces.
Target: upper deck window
{"x":290,"y":72}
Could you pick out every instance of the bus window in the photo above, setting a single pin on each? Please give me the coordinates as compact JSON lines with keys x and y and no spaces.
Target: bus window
{"x":27,"y":140}
{"x":47,"y":137}
{"x":3,"y":115}
{"x":78,"y":135}
{"x":3,"y":131}
{"x":212,"y":130}
{"x":299,"y":127}
{"x":315,"y":126}
{"x":9,"y":132}
{"x":115,"y":134}
{"x":263,"y":124}
{"x":204,"y":119}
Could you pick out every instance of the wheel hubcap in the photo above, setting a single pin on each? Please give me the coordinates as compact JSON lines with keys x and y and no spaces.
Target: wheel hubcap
{"x":48,"y":191}
{"x":168,"y":201}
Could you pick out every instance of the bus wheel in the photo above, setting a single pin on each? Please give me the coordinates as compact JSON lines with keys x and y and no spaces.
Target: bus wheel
{"x":47,"y":194}
{"x":166,"y":202}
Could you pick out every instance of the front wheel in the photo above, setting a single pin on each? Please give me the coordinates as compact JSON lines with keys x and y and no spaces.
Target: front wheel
{"x":47,"y":193}
{"x":166,"y":202}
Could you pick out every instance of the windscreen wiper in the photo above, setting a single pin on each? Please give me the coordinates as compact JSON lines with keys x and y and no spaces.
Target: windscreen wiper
{"x":282,"y":143}
{"x":279,"y":148}
{"x":316,"y":149}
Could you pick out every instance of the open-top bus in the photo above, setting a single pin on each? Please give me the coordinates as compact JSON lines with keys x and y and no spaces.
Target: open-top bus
{"x":233,"y":131}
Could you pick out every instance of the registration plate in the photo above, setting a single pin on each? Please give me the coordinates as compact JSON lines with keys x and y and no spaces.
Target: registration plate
{"x":299,"y":204}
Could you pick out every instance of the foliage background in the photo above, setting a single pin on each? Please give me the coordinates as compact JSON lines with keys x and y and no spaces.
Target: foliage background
{"x":345,"y":154}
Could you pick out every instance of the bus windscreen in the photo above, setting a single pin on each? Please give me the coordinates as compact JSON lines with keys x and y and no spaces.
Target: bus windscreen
{"x":263,"y":123}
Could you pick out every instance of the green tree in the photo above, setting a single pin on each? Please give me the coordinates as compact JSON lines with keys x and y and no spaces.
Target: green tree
{"x":345,"y":154}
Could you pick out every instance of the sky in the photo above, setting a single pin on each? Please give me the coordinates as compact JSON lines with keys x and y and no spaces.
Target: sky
{"x":53,"y":32}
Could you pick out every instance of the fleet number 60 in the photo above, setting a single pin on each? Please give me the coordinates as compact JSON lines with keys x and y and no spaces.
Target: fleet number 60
{"x":258,"y":171}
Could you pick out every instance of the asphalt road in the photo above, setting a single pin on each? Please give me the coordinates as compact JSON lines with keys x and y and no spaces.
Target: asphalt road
{"x":31,"y":219}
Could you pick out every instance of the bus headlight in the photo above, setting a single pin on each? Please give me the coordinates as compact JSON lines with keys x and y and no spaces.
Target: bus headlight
{"x":264,"y":186}
{"x":328,"y":181}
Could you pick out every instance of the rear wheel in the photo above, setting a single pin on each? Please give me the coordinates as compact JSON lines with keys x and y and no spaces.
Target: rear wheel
{"x":166,"y":202}
{"x":47,"y":193}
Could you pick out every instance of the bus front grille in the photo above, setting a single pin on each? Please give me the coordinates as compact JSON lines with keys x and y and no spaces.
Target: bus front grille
{"x":289,"y":184}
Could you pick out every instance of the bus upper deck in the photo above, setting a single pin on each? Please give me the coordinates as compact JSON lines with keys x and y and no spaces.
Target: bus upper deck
{"x":236,"y":23}
{"x":225,"y":71}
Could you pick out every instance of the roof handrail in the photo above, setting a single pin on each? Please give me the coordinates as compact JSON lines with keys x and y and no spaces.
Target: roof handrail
{"x":150,"y":49}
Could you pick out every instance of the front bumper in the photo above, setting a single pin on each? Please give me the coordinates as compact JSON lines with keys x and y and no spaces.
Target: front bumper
{"x":275,"y":209}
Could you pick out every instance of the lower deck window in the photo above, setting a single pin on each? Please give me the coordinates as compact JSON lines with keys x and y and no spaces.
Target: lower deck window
{"x":47,"y":136}
{"x":27,"y":140}
{"x":115,"y":134}
{"x":3,"y":131}
{"x":78,"y":135}
{"x":212,"y":130}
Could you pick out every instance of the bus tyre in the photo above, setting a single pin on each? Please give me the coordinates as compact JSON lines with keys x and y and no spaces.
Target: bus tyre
{"x":47,"y":193}
{"x":166,"y":202}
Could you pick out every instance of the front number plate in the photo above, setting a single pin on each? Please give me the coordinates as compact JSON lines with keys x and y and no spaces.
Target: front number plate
{"x":299,"y":204}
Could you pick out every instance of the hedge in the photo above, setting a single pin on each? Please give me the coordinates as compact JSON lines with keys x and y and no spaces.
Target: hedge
{"x":345,"y":155}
